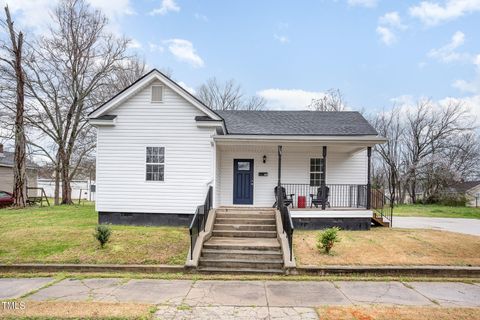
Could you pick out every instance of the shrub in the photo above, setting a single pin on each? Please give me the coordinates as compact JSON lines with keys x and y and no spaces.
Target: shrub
{"x":327,"y":239}
{"x":102,"y":234}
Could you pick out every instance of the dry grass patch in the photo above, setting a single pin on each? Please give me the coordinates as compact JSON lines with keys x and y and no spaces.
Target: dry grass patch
{"x":397,"y":313}
{"x":382,"y":246}
{"x":82,"y":310}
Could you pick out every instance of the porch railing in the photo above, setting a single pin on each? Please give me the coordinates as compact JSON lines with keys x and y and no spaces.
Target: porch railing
{"x":340,"y":195}
{"x":199,"y":220}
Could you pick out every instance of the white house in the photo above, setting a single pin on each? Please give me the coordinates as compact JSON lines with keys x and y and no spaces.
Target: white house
{"x":159,"y":149}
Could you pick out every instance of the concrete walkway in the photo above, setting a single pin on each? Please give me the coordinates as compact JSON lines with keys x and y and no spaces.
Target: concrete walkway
{"x":466,"y":226}
{"x":212,"y":299}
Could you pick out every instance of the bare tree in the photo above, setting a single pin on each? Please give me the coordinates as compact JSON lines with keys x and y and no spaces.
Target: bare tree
{"x":68,"y":76}
{"x":332,"y":101}
{"x":426,"y":134}
{"x":15,"y":62}
{"x":227,"y":96}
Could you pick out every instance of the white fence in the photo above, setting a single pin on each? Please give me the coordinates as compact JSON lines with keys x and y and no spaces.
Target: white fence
{"x":81,"y":189}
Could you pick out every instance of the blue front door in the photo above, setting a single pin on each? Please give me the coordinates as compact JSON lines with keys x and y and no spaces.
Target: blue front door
{"x":243,"y":181}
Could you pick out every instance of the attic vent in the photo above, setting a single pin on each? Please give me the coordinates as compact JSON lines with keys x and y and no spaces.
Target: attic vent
{"x":157,"y":93}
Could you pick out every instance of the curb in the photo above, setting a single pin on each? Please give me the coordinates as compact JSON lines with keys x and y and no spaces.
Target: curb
{"x":399,"y":271}
{"x":38,"y":267}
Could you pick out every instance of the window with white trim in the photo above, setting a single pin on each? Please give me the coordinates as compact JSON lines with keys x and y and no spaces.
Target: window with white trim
{"x":155,"y":164}
{"x":316,"y":172}
{"x":157,"y":93}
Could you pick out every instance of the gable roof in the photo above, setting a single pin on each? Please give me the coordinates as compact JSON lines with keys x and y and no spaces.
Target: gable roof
{"x":311,"y":123}
{"x":7,"y":160}
{"x":465,"y":186}
{"x":140,"y":84}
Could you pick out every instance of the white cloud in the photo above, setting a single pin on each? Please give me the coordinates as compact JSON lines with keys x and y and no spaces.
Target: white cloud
{"x":186,"y":87}
{"x":200,"y":17}
{"x":183,"y":50}
{"x":155,"y":47}
{"x":432,"y":13}
{"x":134,"y":44}
{"x":387,"y":25}
{"x":363,"y":3}
{"x":289,"y":99}
{"x":281,"y":39}
{"x":448,"y":52}
{"x":35,"y":15}
{"x":472,"y":86}
{"x":393,"y":20}
{"x":386,"y":35}
{"x":165,"y":7}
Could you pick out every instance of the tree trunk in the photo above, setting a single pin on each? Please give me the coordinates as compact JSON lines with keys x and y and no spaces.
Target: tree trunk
{"x":66,"y":186}
{"x":56,"y":195}
{"x":19,"y":175}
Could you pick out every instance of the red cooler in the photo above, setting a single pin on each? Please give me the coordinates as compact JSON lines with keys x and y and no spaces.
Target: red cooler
{"x":302,"y":201}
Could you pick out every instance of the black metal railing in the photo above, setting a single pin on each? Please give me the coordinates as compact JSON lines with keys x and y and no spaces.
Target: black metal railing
{"x":339,"y":195}
{"x":200,"y":220}
{"x":287,"y":222}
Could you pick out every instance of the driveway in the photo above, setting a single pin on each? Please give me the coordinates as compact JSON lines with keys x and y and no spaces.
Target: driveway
{"x":466,"y":226}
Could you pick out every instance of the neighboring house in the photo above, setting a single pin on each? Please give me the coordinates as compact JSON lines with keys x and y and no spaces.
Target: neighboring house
{"x":6,"y":171}
{"x":159,"y":149}
{"x":471,"y":190}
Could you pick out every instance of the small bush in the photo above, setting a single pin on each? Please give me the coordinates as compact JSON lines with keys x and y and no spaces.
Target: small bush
{"x":327,"y":239}
{"x":447,"y":199}
{"x":102,"y":234}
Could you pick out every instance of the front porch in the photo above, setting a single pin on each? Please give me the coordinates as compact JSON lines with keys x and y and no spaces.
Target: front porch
{"x":246,"y":174}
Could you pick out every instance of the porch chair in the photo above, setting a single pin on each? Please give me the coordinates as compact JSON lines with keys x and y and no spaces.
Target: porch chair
{"x":287,"y":199}
{"x":319,"y":198}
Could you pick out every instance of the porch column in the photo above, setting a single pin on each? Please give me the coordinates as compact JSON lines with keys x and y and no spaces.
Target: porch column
{"x":324,"y":180}
{"x":279,"y":183}
{"x":369,"y":182}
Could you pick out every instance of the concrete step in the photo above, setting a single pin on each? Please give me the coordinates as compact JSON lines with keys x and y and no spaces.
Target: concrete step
{"x":245,"y":209}
{"x":244,"y":233}
{"x":238,"y":263}
{"x":246,"y":215}
{"x":249,"y":227}
{"x":252,"y":255}
{"x":223,"y":243}
{"x":240,"y":270}
{"x":230,"y":220}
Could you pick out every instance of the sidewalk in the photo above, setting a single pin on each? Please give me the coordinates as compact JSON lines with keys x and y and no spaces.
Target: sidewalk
{"x":212,"y":299}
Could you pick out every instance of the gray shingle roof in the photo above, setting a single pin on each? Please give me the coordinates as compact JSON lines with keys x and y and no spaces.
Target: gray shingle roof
{"x":315,"y":123}
{"x":465,"y":186}
{"x":7,"y":160}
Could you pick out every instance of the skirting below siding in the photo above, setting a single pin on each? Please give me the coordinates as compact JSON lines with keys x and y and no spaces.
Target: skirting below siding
{"x":322,"y":223}
{"x":144,"y":219}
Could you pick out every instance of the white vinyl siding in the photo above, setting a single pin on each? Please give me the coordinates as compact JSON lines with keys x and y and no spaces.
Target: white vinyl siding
{"x":121,"y":183}
{"x":342,"y":168}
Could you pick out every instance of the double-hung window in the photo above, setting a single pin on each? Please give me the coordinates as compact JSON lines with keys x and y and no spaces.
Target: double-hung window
{"x":316,"y":172}
{"x":155,"y":164}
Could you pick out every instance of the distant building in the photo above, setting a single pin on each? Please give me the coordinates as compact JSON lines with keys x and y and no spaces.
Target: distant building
{"x":471,"y":190}
{"x":6,"y":171}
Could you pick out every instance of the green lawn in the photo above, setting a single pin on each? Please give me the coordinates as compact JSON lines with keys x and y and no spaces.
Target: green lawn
{"x":433,"y":210}
{"x":64,"y":234}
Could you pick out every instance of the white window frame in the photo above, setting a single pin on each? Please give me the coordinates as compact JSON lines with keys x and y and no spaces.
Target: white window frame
{"x":322,"y":174}
{"x":151,"y":93}
{"x":155,"y":163}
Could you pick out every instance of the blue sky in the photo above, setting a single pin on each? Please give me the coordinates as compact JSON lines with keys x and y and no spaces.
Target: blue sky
{"x":376,"y":52}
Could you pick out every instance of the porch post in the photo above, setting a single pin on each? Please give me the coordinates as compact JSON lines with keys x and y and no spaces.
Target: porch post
{"x":324,"y":180}
{"x":369,"y":182}
{"x":279,"y":183}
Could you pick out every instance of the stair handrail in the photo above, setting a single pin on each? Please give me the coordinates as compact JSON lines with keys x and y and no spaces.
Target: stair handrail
{"x":287,"y":222}
{"x":199,"y":220}
{"x":380,"y":199}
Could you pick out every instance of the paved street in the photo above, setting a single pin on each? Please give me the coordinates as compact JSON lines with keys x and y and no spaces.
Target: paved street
{"x":467,"y":226}
{"x":212,"y":299}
